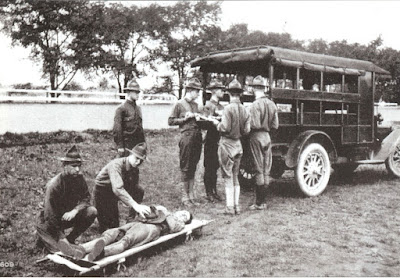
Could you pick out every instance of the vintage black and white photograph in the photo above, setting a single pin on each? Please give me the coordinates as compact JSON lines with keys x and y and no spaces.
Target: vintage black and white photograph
{"x":199,"y":138}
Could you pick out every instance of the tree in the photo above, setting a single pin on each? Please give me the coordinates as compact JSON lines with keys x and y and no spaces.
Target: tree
{"x":194,"y":32}
{"x":318,"y":46}
{"x":126,"y":33}
{"x":58,"y":33}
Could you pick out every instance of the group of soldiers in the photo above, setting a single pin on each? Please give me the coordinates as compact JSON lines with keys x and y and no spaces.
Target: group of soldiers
{"x":67,"y":199}
{"x":222,"y":145}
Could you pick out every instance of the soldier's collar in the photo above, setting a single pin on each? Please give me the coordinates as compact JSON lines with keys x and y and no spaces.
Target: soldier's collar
{"x":127,"y":164}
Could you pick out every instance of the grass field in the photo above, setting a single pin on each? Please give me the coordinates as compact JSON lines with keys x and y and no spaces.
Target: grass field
{"x":352,"y":229}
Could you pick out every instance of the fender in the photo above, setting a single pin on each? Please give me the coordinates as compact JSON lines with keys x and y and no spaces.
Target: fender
{"x":388,"y":145}
{"x":295,"y":148}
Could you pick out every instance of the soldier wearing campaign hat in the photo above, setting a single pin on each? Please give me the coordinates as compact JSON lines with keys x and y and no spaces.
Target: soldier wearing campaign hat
{"x":66,"y":204}
{"x":264,"y":118}
{"x":212,"y":108}
{"x":128,"y":126}
{"x":190,"y":144}
{"x":234,"y":124}
{"x":118,"y":181}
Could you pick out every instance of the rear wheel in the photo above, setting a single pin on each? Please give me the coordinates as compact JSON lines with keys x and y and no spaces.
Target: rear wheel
{"x":313,"y":170}
{"x":393,"y":162}
{"x":246,"y":180}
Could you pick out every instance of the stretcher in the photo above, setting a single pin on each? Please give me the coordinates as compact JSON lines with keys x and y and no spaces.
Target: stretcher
{"x":84,"y":266}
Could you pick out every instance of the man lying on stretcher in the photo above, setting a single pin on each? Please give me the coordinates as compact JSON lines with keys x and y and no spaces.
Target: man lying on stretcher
{"x":138,"y":232}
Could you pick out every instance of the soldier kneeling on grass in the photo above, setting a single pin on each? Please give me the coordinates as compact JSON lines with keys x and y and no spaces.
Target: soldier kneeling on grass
{"x":66,"y":204}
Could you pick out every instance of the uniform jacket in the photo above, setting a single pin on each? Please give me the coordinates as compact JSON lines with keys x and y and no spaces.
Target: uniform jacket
{"x":235,"y":121}
{"x":64,"y":193}
{"x":211,"y":109}
{"x":177,"y":116}
{"x":128,"y":123}
{"x":264,"y":115}
{"x":114,"y":175}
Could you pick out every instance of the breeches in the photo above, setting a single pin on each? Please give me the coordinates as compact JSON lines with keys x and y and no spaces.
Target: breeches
{"x":211,"y":165}
{"x":50,"y":234}
{"x":229,"y":153}
{"x":136,"y":235}
{"x":260,"y":147}
{"x":106,"y":204}
{"x":190,"y":147}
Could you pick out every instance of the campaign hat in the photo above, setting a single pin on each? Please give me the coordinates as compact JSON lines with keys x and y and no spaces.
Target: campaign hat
{"x":72,"y":156}
{"x":258,"y":81}
{"x":194,"y":83}
{"x":140,"y":150}
{"x":235,"y":87}
{"x":156,"y":216}
{"x":132,"y":86}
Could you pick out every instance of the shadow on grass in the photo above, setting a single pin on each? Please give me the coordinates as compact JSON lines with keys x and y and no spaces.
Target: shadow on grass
{"x":364,"y":175}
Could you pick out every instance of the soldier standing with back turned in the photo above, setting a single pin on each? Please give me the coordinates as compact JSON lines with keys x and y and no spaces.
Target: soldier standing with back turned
{"x":234,"y":124}
{"x":264,"y":118}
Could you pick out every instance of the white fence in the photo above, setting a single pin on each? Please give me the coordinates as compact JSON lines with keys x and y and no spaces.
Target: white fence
{"x":23,"y":111}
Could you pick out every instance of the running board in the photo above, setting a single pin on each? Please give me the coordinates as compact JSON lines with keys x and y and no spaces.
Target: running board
{"x":370,"y":161}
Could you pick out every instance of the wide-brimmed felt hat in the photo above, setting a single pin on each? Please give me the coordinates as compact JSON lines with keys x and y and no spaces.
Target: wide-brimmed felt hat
{"x":132,"y":86}
{"x":72,"y":156}
{"x":215,"y":84}
{"x":194,"y":83}
{"x":140,"y":150}
{"x":156,"y":216}
{"x":235,"y":87}
{"x":258,"y":81}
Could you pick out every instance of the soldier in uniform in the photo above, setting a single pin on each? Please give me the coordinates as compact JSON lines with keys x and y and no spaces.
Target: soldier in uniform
{"x":128,"y":127}
{"x":264,"y":118}
{"x":234,"y":124}
{"x":118,"y":181}
{"x":66,"y":204}
{"x":211,"y":164}
{"x":190,"y":144}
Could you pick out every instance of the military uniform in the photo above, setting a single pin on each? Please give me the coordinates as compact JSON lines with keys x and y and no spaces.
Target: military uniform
{"x":65,"y":193}
{"x":118,"y":180}
{"x":190,"y":144}
{"x":234,"y":124}
{"x":211,"y":163}
{"x":128,"y":126}
{"x":264,"y":117}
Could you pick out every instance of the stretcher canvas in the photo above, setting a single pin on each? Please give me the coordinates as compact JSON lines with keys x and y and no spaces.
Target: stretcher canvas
{"x":83,"y":266}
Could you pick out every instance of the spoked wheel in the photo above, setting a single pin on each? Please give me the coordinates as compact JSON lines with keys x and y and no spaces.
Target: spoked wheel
{"x":246,"y":179}
{"x":313,"y":170}
{"x":393,"y":162}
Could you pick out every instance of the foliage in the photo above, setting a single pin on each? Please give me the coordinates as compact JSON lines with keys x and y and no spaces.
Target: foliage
{"x":193,"y":33}
{"x":57,"y":32}
{"x":73,"y":86}
{"x":126,"y":33}
{"x":28,"y":86}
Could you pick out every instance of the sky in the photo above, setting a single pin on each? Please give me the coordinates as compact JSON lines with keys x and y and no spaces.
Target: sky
{"x":354,"y":21}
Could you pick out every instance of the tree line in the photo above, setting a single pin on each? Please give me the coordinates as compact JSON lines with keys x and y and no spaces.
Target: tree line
{"x":67,"y":37}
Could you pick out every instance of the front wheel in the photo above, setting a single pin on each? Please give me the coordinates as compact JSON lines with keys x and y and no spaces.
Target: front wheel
{"x":393,"y":162}
{"x":313,"y":170}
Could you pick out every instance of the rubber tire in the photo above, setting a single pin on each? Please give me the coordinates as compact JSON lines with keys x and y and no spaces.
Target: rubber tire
{"x":393,"y":162}
{"x":246,"y":180}
{"x":308,"y":151}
